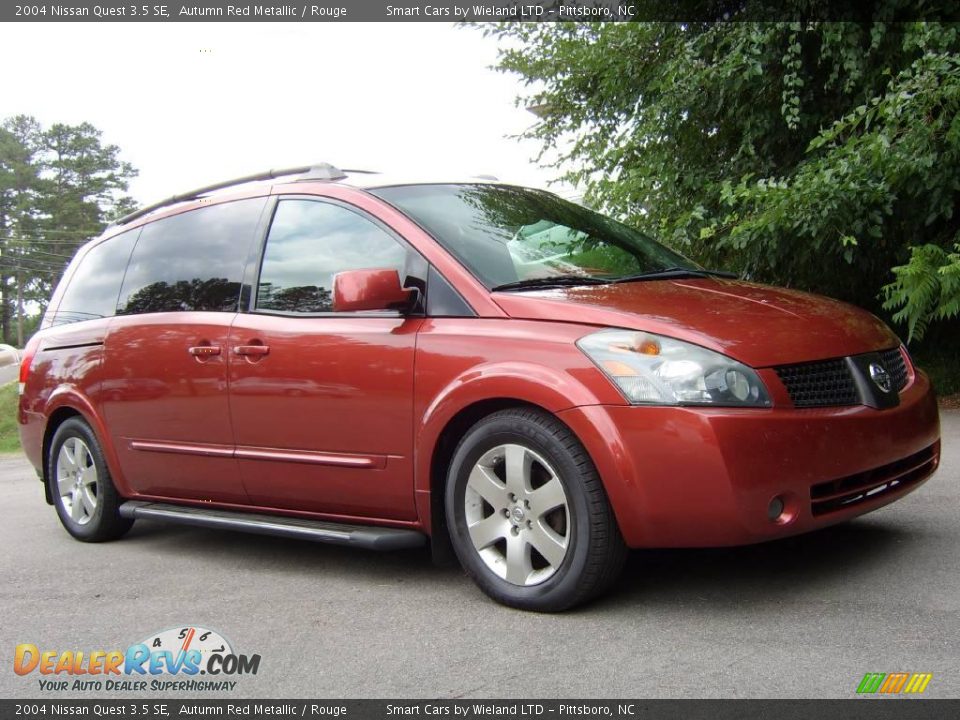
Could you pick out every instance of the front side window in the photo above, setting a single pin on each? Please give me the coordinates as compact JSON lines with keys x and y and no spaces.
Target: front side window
{"x":191,"y":261}
{"x":94,"y":287}
{"x":505,"y":234}
{"x":309,"y":243}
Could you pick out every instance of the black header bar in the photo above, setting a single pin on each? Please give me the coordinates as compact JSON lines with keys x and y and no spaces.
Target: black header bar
{"x":242,"y":709}
{"x":477,"y":10}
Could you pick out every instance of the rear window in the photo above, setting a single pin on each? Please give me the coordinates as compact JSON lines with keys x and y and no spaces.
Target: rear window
{"x":191,"y":261}
{"x":95,"y":285}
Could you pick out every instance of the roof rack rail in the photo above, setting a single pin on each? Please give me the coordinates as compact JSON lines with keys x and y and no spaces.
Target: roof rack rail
{"x":319,"y":171}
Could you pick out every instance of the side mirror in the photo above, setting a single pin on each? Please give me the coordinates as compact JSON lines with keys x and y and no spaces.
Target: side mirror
{"x":380,"y":289}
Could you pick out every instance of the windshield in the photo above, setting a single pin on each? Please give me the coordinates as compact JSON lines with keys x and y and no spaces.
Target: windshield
{"x":507,"y":235}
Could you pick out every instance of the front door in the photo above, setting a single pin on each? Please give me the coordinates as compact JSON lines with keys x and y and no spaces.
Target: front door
{"x":322,"y":402}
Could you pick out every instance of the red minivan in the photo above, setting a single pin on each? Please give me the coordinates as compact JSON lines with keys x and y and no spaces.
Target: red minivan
{"x":344,"y":357}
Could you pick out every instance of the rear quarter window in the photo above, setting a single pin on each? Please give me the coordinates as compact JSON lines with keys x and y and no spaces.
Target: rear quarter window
{"x":191,"y":261}
{"x":95,"y":285}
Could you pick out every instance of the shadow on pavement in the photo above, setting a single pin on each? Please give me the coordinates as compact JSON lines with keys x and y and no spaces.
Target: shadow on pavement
{"x":765,"y":571}
{"x":651,"y":577}
{"x":267,"y":552}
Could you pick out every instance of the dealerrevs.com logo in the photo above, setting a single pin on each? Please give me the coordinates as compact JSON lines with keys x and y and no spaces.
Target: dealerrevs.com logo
{"x":170,"y":660}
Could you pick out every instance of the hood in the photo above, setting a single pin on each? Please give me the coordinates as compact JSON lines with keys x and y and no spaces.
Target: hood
{"x":755,"y":324}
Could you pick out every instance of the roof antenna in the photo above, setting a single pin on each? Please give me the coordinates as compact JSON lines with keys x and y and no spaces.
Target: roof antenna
{"x":323,"y":171}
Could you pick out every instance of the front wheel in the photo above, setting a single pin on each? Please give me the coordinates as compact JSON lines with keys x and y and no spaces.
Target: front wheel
{"x":528,"y":515}
{"x":80,"y":484}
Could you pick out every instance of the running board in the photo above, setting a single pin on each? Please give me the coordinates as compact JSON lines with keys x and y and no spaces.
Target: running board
{"x":364,"y":536}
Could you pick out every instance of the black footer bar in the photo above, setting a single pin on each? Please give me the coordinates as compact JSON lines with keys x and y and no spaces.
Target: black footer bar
{"x":875,"y":708}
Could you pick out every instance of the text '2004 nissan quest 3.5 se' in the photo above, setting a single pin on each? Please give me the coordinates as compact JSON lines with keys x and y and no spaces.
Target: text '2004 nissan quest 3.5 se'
{"x":343,"y":357}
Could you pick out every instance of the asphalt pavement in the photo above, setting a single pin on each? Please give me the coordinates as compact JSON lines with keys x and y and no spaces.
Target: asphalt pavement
{"x":8,"y":373}
{"x":803,"y":617}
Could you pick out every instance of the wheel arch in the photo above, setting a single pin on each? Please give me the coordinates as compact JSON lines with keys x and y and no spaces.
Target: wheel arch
{"x":602,"y":562}
{"x":431,"y":501}
{"x":442,"y":452}
{"x":66,"y":402}
{"x":483,"y":389}
{"x":57,"y":418}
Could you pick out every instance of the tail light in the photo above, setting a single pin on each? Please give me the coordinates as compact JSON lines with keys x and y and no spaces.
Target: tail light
{"x":26,"y":361}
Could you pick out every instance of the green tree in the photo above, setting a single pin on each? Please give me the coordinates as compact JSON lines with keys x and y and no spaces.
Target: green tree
{"x":19,"y":185}
{"x":58,"y":188}
{"x":86,"y":179}
{"x":817,"y":155}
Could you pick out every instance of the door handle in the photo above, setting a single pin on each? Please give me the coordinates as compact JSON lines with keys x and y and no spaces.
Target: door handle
{"x":203,"y":351}
{"x":252,"y":350}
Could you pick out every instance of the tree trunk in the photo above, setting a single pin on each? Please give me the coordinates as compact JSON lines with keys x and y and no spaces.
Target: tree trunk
{"x":5,"y":309}
{"x":19,"y":312}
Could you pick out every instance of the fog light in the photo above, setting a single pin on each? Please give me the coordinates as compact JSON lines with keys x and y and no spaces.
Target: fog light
{"x":775,"y":509}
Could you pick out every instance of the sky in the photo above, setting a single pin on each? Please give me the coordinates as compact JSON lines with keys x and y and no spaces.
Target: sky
{"x":192,"y":104}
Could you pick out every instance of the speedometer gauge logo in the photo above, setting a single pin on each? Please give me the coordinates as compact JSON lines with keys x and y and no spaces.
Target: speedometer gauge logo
{"x":182,"y":640}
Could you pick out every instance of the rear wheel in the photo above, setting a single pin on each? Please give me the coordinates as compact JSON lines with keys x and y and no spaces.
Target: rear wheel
{"x":80,"y":484}
{"x":528,"y":516}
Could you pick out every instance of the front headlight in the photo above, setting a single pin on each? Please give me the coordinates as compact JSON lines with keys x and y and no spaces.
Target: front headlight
{"x":656,"y":370}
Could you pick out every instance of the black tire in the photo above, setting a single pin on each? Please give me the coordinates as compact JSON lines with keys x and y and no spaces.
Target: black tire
{"x":595,"y":550}
{"x":105,"y":523}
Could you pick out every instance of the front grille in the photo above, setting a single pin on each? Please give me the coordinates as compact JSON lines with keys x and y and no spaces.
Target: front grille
{"x":819,"y":384}
{"x":894,"y":363}
{"x":829,"y":383}
{"x":847,"y":492}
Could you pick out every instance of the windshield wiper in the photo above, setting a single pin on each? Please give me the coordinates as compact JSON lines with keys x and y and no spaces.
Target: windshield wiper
{"x":676,"y":272}
{"x":557,"y":281}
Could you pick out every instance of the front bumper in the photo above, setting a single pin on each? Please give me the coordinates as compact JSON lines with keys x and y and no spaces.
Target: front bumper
{"x":699,"y":477}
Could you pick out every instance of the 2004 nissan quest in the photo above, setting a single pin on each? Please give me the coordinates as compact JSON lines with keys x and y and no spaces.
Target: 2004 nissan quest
{"x":338,"y":356}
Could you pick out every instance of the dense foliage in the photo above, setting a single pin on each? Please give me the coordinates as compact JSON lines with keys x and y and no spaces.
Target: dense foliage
{"x":58,"y":188}
{"x":822,"y":156}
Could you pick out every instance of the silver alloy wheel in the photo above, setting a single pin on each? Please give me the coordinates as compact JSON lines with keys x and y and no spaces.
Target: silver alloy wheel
{"x":517,"y":514}
{"x":77,"y":480}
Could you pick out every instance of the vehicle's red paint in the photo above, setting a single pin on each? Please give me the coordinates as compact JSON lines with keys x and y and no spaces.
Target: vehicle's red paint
{"x":757,"y":325}
{"x":465,"y":361}
{"x":339,"y":386}
{"x":359,"y":290}
{"x":154,"y":389}
{"x":339,"y":417}
{"x":65,"y":377}
{"x":699,"y":477}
